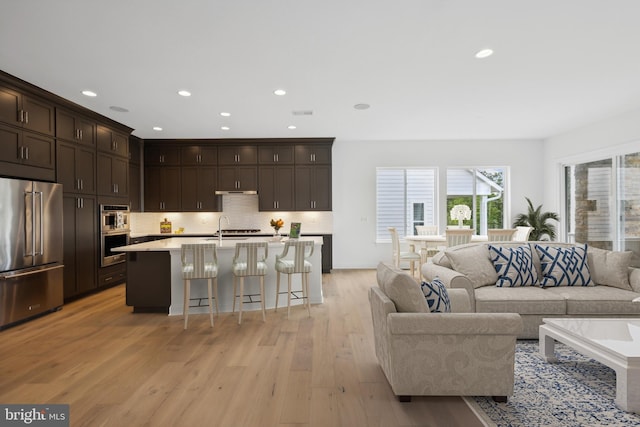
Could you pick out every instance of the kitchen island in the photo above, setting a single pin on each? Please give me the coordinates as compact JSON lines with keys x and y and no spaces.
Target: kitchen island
{"x":154,"y":278}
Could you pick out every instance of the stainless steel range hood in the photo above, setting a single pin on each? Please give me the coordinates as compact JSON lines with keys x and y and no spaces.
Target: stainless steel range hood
{"x":223,"y":192}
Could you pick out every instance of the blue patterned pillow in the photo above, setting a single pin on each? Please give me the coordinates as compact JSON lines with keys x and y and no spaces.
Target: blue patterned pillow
{"x":513,"y":265}
{"x":437,"y":296}
{"x":564,"y":266}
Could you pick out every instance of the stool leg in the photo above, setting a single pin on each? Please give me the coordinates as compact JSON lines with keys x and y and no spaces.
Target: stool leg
{"x":241,"y":298}
{"x":288,"y":295}
{"x":209,"y":286}
{"x":277,"y":289}
{"x":235,"y":278}
{"x":185,"y":308}
{"x":305,"y":284}
{"x":215,"y":293}
{"x":264,"y":312}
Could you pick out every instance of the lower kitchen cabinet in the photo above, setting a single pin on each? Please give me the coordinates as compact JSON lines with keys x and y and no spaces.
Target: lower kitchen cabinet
{"x":149,"y":281}
{"x":80,"y":254}
{"x":113,"y":274}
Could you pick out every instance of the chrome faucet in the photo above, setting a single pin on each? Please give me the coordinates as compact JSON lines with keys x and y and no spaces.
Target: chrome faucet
{"x":220,"y":228}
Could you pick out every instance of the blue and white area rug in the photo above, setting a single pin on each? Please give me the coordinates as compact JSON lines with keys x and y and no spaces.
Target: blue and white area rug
{"x":575,"y":391}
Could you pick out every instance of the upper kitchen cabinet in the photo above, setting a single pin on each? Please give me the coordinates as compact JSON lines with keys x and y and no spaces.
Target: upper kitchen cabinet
{"x":113,"y":175}
{"x":229,"y":155}
{"x":112,"y":141}
{"x":312,"y":154}
{"x":196,"y":155}
{"x":276,"y":188}
{"x":75,"y":127}
{"x":238,"y":178}
{"x":199,"y":185}
{"x":313,"y":187}
{"x":26,"y":111}
{"x":161,"y":155}
{"x":161,"y":188}
{"x":27,"y":154}
{"x":76,"y":168}
{"x":135,"y":180}
{"x":275,"y":155}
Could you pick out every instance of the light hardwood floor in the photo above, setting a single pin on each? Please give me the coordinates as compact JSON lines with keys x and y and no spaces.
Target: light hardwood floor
{"x":116,"y":368}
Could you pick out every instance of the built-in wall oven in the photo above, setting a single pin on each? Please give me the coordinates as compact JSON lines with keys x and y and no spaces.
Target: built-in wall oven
{"x":114,"y":232}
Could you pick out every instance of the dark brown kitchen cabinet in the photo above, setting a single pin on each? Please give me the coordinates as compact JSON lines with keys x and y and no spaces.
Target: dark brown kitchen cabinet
{"x":149,"y":281}
{"x":238,"y":178}
{"x":74,"y":127}
{"x":111,"y":141}
{"x":160,"y":154}
{"x":195,"y":155}
{"x":26,"y":111}
{"x":112,"y":175}
{"x":198,"y":189}
{"x":313,"y":188}
{"x":238,"y":155}
{"x":135,"y":180}
{"x":275,"y":155}
{"x":76,"y":168}
{"x":312,"y":154}
{"x":161,"y":188}
{"x":80,"y":244}
{"x":276,"y":188}
{"x":26,"y":148}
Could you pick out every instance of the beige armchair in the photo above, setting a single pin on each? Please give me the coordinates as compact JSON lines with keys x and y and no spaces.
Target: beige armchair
{"x":441,"y":354}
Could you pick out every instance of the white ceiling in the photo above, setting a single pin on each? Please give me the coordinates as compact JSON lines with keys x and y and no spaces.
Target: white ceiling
{"x":558,"y":64}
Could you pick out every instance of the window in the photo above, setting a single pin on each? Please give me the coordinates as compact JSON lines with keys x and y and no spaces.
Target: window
{"x":405,"y":198}
{"x":483,"y":190}
{"x":602,"y":203}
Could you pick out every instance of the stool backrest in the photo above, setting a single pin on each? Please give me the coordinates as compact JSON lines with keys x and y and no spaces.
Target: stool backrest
{"x":302,"y":250}
{"x":252,"y":253}
{"x":199,"y":260}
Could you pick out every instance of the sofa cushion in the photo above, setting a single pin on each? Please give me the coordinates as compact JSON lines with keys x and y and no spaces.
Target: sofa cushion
{"x":441,"y":259}
{"x":473,"y":262}
{"x":562,"y":266}
{"x":402,"y":289}
{"x":436,"y":295}
{"x":597,"y":300}
{"x":513,"y":265}
{"x":522,"y":300}
{"x":609,"y":268}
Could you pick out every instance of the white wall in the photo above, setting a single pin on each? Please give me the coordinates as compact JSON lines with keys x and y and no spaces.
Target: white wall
{"x":615,"y":135}
{"x":354,"y":184}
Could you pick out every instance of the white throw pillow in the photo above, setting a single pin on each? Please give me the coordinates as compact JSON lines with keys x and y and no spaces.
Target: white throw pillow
{"x":609,"y":268}
{"x":474,"y":262}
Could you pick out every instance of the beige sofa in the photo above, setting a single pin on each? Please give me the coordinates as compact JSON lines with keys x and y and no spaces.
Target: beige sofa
{"x":438,"y":354}
{"x":611,"y":293}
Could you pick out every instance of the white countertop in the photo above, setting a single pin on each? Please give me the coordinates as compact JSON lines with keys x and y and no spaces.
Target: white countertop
{"x":174,"y":243}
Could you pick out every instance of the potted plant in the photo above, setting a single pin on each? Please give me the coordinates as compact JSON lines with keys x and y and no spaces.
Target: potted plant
{"x":542,"y":229}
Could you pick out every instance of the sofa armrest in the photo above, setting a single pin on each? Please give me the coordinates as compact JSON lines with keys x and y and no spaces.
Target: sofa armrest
{"x":454,"y":323}
{"x":634,"y":279}
{"x":451,"y":279}
{"x":460,"y":302}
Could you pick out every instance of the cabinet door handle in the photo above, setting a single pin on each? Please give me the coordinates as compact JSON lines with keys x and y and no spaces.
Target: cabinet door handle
{"x":26,"y":151}
{"x":81,"y":134}
{"x":81,"y":184}
{"x":26,"y":117}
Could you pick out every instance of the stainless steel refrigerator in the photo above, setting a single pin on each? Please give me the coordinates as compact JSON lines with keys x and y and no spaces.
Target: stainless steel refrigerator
{"x":31,"y":279}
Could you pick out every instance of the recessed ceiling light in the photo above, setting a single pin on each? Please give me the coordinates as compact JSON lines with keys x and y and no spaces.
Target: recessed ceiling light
{"x":225,"y":114}
{"x":118,"y":109}
{"x":184,"y":93}
{"x":361,"y":106}
{"x":89,"y":93}
{"x":157,"y":128}
{"x":225,"y":127}
{"x":280,"y":92}
{"x":291,"y":127}
{"x":484,"y":53}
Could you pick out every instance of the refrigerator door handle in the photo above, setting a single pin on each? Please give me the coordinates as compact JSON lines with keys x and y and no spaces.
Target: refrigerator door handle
{"x":41,"y":252}
{"x":30,"y":272}
{"x":29,"y":235}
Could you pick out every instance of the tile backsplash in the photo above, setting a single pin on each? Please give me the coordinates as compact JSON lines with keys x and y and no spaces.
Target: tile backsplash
{"x":242,"y":211}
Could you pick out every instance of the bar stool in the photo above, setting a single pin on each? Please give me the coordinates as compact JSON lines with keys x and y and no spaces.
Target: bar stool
{"x":249,"y":260}
{"x":302,"y":251}
{"x":199,"y":261}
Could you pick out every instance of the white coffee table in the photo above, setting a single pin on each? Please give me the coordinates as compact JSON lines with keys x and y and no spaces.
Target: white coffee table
{"x":612,"y":342}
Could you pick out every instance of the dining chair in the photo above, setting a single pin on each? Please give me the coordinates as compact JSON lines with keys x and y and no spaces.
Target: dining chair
{"x":289,"y":264}
{"x":199,"y":261}
{"x":500,"y":234}
{"x":249,"y":261}
{"x":427,"y":250}
{"x":458,"y":236}
{"x":426,"y":230}
{"x":522,"y":233}
{"x":397,"y":255}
